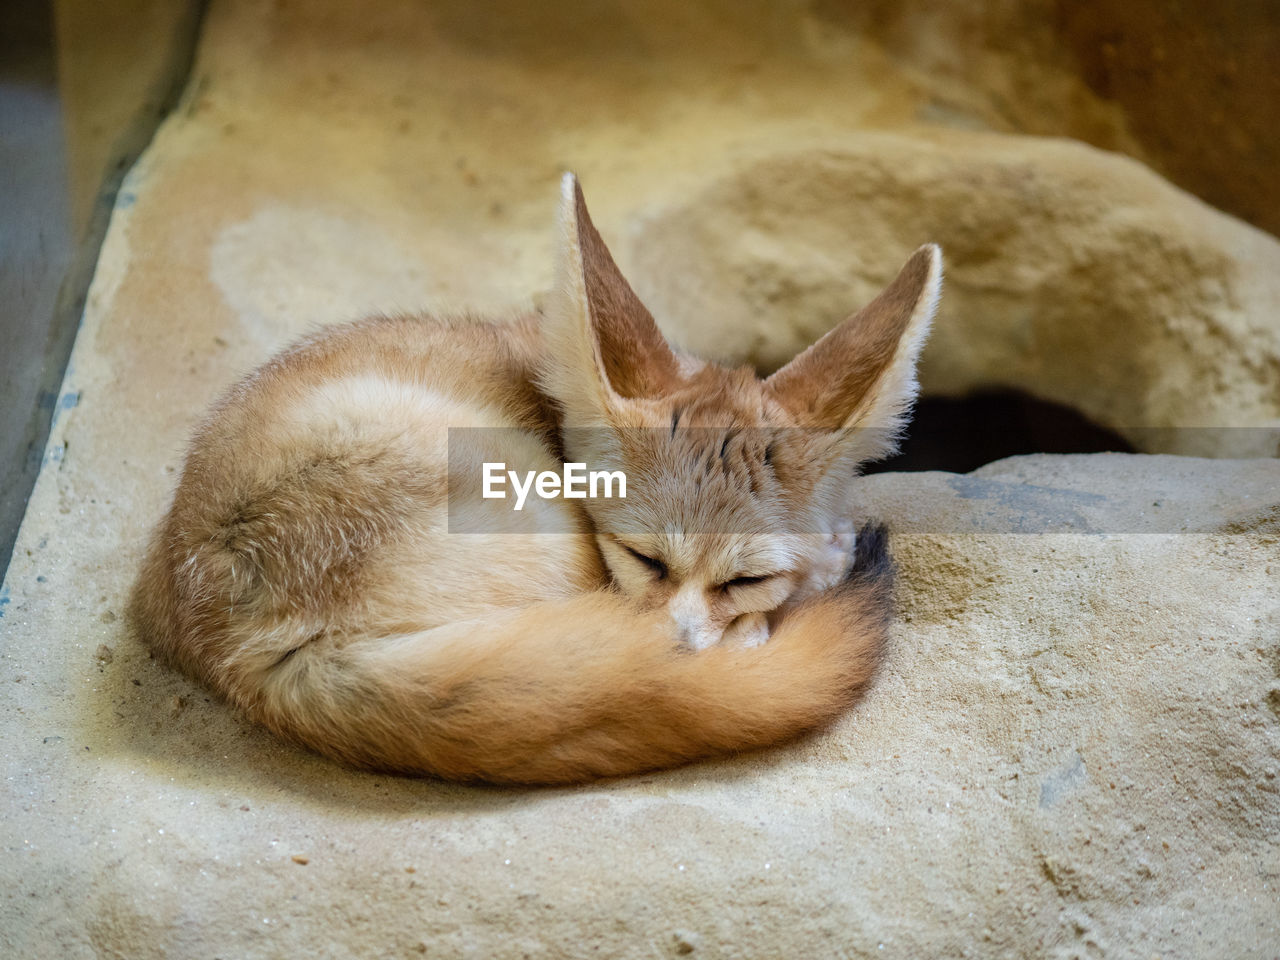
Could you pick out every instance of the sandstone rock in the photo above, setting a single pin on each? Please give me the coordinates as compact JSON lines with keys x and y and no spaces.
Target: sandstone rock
{"x":1073,"y":274}
{"x":1186,"y":87}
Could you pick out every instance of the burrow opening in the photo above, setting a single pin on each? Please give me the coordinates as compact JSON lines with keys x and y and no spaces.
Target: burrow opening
{"x":960,"y":434}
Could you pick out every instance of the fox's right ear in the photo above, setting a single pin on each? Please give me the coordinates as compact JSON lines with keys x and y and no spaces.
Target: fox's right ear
{"x":603,"y":346}
{"x":861,"y":376}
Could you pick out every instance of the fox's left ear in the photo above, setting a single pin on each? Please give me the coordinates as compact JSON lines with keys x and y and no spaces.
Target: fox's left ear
{"x":604,"y":347}
{"x":861,"y":376}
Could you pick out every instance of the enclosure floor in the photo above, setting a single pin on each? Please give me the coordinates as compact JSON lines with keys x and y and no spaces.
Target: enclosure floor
{"x":1072,"y":746}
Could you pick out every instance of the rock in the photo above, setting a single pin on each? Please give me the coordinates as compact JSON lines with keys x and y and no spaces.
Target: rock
{"x":1187,"y":88}
{"x":1075,"y":275}
{"x":686,"y":942}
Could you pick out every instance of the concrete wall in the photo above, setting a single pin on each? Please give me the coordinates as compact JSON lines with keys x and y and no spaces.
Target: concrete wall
{"x":82,"y":86}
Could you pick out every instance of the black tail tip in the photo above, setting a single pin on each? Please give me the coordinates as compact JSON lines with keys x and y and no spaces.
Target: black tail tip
{"x":871,"y":560}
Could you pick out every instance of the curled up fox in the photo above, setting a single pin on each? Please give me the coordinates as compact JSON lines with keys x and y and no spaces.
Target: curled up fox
{"x":309,"y":572}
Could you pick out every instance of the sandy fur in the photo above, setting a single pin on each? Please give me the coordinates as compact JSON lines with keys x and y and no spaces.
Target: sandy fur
{"x":305,"y":570}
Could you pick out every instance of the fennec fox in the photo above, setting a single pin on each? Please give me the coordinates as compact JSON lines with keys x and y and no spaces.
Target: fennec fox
{"x":306,"y":570}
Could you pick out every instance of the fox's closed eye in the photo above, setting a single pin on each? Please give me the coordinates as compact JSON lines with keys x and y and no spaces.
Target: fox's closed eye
{"x":746,"y":581}
{"x":658,"y":568}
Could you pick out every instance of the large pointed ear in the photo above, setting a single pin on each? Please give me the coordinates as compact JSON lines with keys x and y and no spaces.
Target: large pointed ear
{"x":603,"y":347}
{"x":861,"y":376}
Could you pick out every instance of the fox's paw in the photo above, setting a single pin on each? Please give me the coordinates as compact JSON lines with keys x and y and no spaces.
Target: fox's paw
{"x":834,"y":558}
{"x":749,"y":630}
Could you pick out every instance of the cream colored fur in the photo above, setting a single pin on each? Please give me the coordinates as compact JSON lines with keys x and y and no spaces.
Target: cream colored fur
{"x":307,"y":573}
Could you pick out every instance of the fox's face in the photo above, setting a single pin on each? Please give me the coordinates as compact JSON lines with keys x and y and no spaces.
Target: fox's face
{"x":712,"y":586}
{"x":737,"y":487}
{"x":725,"y":519}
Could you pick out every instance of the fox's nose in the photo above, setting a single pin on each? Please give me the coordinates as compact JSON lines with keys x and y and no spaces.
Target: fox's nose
{"x":689,"y":613}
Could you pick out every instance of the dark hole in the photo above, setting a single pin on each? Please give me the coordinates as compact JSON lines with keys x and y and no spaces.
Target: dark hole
{"x":960,"y":434}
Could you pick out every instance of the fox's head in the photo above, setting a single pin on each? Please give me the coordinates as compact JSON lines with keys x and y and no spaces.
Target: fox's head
{"x":738,"y":488}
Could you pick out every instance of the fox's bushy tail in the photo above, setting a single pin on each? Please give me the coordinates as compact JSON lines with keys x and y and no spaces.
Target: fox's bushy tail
{"x":571,"y":690}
